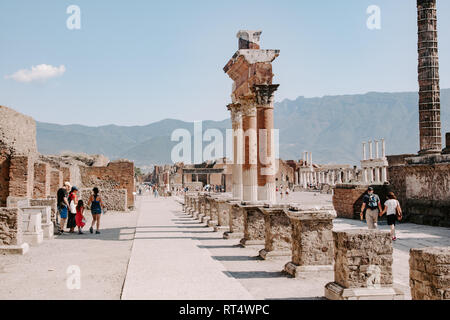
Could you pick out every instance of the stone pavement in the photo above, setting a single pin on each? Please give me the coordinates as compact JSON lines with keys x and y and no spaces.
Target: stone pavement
{"x":176,"y":257}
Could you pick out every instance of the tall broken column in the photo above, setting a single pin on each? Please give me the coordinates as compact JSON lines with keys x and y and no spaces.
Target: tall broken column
{"x":248,"y":67}
{"x":429,"y":91}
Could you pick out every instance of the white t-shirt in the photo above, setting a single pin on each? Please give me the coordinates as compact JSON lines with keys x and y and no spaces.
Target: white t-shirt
{"x":391,"y":205}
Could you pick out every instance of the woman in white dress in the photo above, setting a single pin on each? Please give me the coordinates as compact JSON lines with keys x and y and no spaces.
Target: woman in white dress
{"x":393,"y":211}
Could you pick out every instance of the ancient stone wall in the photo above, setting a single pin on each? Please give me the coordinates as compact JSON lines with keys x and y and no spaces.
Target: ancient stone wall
{"x":56,"y":181}
{"x":10,"y":226}
{"x":116,"y":175}
{"x":113,"y":199}
{"x":424,"y":192}
{"x":4,"y":179}
{"x":430,"y":273}
{"x":285,"y":174}
{"x":49,"y":202}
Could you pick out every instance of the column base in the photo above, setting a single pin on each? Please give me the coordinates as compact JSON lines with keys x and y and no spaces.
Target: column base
{"x":205,"y":219}
{"x":34,"y":239}
{"x":233,"y":235}
{"x":221,"y":229}
{"x":334,"y":291}
{"x":212,"y":223}
{"x":296,"y":270}
{"x":200,"y":216}
{"x":48,"y":230}
{"x":276,"y":254}
{"x":16,"y":249}
{"x":245,"y":243}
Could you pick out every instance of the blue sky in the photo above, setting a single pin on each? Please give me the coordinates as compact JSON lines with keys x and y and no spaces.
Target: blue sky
{"x":136,"y":62}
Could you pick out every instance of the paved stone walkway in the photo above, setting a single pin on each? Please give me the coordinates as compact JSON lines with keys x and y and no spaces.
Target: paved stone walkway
{"x":176,"y":257}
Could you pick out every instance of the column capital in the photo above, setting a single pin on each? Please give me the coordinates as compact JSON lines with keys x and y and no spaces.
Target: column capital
{"x":264,"y":94}
{"x":248,"y":106}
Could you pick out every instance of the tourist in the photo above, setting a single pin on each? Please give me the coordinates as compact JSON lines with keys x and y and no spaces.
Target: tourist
{"x":63,"y":205}
{"x":281,"y":191}
{"x":393,"y":212}
{"x":79,"y":218}
{"x":372,"y":206}
{"x":96,"y":204}
{"x":73,"y":202}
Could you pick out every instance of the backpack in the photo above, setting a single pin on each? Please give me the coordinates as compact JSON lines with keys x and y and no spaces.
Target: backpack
{"x":373,"y":202}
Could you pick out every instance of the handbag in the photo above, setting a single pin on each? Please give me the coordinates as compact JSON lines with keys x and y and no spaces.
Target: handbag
{"x":398,"y":212}
{"x":73,"y":209}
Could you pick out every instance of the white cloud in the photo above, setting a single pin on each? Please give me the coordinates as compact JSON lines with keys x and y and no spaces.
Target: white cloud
{"x":39,"y":72}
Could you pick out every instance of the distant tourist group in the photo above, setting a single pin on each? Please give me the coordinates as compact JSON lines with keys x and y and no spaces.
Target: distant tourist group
{"x":372,"y":207}
{"x":71,"y":209}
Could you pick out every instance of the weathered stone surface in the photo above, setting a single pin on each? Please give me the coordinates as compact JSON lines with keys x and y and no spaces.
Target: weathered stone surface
{"x":312,"y":239}
{"x":254,"y":224}
{"x":11,"y":232}
{"x":358,"y":253}
{"x":430,"y":273}
{"x":49,"y":202}
{"x":278,"y":232}
{"x":236,"y":221}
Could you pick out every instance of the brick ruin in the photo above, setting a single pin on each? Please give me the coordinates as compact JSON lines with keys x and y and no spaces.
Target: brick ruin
{"x":29,"y":182}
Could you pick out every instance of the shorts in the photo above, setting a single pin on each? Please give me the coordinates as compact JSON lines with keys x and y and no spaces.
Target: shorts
{"x":95,"y":212}
{"x":391,"y":219}
{"x":63,"y":212}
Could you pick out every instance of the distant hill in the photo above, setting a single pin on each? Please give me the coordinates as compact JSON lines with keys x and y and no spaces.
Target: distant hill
{"x":331,"y":127}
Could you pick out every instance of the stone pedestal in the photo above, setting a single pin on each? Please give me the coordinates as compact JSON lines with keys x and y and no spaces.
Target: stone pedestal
{"x":213,"y":211}
{"x":278,"y":230}
{"x":363,"y":266}
{"x":46,"y":223}
{"x":11,"y":232}
{"x":430,"y":273}
{"x":223,"y":215}
{"x":32,"y":227}
{"x":236,"y":221}
{"x":253,"y":224}
{"x":312,"y":239}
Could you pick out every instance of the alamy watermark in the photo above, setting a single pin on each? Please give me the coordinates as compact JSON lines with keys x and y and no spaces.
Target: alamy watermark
{"x":237,"y":146}
{"x":73,"y":22}
{"x":374,"y":19}
{"x":73,"y":281}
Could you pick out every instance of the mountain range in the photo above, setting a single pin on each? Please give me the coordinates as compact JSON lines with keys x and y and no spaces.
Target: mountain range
{"x":331,"y":127}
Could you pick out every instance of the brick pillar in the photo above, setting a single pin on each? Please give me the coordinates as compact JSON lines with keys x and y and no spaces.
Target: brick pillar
{"x":429,"y":92}
{"x":56,"y":181}
{"x":363,"y":266}
{"x":266,"y":144}
{"x":41,"y":180}
{"x":21,"y":174}
{"x":278,"y":237}
{"x":430,"y":273}
{"x":253,"y":224}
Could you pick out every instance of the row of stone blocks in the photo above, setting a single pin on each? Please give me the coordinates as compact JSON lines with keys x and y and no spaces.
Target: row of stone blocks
{"x":25,"y":223}
{"x":361,"y":259}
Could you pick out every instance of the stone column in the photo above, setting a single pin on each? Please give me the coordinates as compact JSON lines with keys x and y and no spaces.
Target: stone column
{"x":296,"y":177}
{"x":364,"y":151}
{"x":429,"y":273}
{"x":223,"y":215}
{"x":383,"y":148}
{"x":429,"y":90}
{"x":305,"y":180}
{"x":370,"y":150}
{"x":278,"y":238}
{"x":363,"y":266}
{"x":377,"y":175}
{"x":384,"y":174}
{"x":250,"y":167}
{"x":266,"y":144}
{"x":312,"y":239}
{"x":238,"y":147}
{"x":377,"y":153}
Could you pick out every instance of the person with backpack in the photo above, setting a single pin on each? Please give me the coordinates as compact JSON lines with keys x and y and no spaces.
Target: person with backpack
{"x":393,"y":212}
{"x":96,"y":204}
{"x":372,"y":206}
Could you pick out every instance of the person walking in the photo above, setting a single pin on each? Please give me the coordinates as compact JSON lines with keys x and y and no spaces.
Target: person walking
{"x":73,"y":202}
{"x":63,"y":205}
{"x":393,"y":212}
{"x":79,"y":218}
{"x":372,"y":206}
{"x":96,"y":204}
